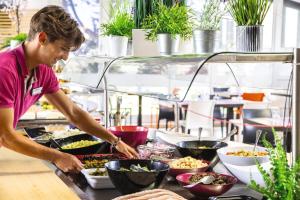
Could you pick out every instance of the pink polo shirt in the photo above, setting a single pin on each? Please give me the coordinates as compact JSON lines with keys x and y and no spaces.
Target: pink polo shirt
{"x":13,"y":76}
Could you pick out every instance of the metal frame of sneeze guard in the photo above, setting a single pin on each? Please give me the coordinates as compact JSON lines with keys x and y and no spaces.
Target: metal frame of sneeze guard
{"x":221,"y":57}
{"x":233,"y":57}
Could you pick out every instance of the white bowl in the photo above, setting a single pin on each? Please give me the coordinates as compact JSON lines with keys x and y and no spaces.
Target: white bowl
{"x":247,"y":173}
{"x":97,"y":182}
{"x":241,"y":160}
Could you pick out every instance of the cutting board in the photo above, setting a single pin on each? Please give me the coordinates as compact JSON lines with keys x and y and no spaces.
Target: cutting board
{"x":26,"y":178}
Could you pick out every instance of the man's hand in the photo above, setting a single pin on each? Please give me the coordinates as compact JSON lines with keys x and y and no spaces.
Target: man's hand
{"x":68,"y":163}
{"x":127,"y":150}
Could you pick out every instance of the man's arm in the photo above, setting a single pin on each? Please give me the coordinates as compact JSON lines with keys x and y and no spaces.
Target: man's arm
{"x":85,"y":122}
{"x":17,"y":142}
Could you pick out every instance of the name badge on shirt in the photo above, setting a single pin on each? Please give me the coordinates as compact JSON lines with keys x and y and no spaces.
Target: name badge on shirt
{"x":36,"y":91}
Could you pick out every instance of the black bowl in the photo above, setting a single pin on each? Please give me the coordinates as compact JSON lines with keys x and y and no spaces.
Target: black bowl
{"x":128,"y":182}
{"x":191,"y":148}
{"x":102,"y":147}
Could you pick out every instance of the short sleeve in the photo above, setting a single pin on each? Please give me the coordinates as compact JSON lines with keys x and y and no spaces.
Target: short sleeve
{"x":52,"y":82}
{"x":7,"y":89}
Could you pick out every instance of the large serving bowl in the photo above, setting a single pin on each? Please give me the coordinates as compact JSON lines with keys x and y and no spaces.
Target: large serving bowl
{"x":174,"y":171}
{"x":242,"y":159}
{"x":206,"y":190}
{"x":131,"y":135}
{"x":101,"y":147}
{"x":205,"y":149}
{"x":247,"y":173}
{"x":128,"y":182}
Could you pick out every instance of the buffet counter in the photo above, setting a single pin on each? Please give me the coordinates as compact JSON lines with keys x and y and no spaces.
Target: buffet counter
{"x":23,"y":177}
{"x":35,"y":179}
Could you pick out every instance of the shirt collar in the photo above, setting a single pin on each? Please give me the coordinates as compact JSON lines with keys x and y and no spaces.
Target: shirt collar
{"x":20,"y":54}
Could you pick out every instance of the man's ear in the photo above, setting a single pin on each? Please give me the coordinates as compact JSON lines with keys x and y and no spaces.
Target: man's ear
{"x":42,"y":37}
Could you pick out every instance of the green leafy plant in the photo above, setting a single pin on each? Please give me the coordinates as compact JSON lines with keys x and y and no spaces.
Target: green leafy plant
{"x":121,"y":25}
{"x":211,"y":15}
{"x":20,"y":37}
{"x":283,"y":180}
{"x":143,"y":8}
{"x":249,"y":12}
{"x":173,"y":20}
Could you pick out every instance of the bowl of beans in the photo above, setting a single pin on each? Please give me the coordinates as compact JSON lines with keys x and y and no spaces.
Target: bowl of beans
{"x":221,"y":183}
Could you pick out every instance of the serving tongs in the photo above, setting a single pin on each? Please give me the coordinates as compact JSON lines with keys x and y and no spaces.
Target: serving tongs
{"x":54,"y":143}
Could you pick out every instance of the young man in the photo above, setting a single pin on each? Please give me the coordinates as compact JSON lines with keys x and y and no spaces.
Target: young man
{"x":26,"y":75}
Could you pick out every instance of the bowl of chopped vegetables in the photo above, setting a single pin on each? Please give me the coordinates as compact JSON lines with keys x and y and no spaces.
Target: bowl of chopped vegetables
{"x":204,"y":149}
{"x":187,"y":165}
{"x":131,"y":176}
{"x":243,"y":155}
{"x":219,"y":184}
{"x":97,"y":178}
{"x":82,"y":144}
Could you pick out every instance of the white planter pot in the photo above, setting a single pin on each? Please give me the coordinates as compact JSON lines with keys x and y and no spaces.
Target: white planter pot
{"x":141,"y":46}
{"x":14,"y":43}
{"x":168,"y":45}
{"x":117,"y":45}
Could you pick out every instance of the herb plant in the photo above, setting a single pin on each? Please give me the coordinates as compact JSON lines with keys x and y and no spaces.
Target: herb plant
{"x":283,"y":182}
{"x":249,"y":12}
{"x":143,"y":8}
{"x":211,"y":15}
{"x":173,"y":20}
{"x":120,"y":25}
{"x":20,"y":37}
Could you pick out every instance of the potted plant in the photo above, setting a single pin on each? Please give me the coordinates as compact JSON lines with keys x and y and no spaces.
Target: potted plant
{"x":205,"y":33}
{"x":283,"y":180}
{"x":167,"y":25}
{"x":14,"y":41}
{"x":249,"y":16}
{"x":119,"y":30}
{"x":141,"y":46}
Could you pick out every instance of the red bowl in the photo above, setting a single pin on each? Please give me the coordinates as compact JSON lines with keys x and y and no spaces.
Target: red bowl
{"x":176,"y":171}
{"x":131,"y":135}
{"x":206,"y":190}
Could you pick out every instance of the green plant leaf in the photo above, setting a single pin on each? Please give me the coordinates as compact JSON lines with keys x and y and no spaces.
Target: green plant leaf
{"x":249,"y":12}
{"x":173,"y":20}
{"x":282,"y":182}
{"x":121,"y":25}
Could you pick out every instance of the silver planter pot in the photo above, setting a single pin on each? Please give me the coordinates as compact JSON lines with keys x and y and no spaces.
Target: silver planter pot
{"x":168,"y":45}
{"x":249,"y":38}
{"x":204,"y":41}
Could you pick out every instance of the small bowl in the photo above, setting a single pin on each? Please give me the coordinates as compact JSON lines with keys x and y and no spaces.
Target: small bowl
{"x":206,"y":190}
{"x":156,"y":151}
{"x":97,"y":182}
{"x":128,"y":182}
{"x":176,"y":171}
{"x":131,"y":135}
{"x":241,"y":160}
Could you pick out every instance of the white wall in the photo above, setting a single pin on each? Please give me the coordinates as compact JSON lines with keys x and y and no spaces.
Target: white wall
{"x":34,"y":4}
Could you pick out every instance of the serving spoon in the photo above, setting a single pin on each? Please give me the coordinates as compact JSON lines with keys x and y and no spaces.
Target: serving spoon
{"x":204,"y":180}
{"x":258,"y":134}
{"x":233,"y":132}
